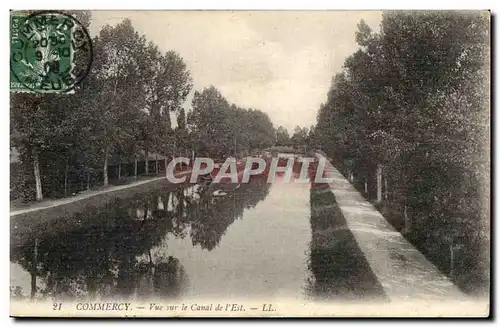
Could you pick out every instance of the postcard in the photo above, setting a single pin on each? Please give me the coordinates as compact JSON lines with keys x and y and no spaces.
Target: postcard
{"x":250,"y":163}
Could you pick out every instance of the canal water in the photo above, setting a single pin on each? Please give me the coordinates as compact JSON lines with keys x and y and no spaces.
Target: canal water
{"x":256,"y":241}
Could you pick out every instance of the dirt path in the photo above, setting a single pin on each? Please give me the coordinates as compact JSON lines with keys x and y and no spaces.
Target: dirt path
{"x":403,"y":271}
{"x":55,"y":203}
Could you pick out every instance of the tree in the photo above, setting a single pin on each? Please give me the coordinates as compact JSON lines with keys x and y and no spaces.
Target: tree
{"x":47,"y":130}
{"x":181,"y":132}
{"x":282,"y":137}
{"x":299,"y":137}
{"x":256,"y":128}
{"x":220,"y":129}
{"x":210,"y":123}
{"x":117,"y":92}
{"x":311,"y":138}
{"x":410,"y":105}
{"x":121,"y":107}
{"x":32,"y":125}
{"x":167,"y":86}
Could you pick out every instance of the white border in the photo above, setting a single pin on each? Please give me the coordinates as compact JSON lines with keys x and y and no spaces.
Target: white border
{"x":255,"y":4}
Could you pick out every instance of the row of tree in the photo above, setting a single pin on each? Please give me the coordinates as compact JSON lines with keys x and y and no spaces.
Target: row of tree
{"x":121,"y":113}
{"x":408,"y":122}
{"x":301,"y":137}
{"x":219,"y":128}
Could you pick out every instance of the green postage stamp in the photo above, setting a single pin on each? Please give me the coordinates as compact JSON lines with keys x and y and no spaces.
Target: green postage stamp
{"x":50,"y":52}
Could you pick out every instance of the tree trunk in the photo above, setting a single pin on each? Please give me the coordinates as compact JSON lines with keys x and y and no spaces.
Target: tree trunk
{"x":379,"y":183}
{"x":146,"y":161}
{"x":452,"y":261}
{"x":33,"y":269}
{"x":105,"y":171}
{"x":135,"y":166}
{"x":385,"y":188}
{"x":366,"y":186}
{"x":38,"y":180}
{"x":88,"y":180}
{"x":407,"y":225}
{"x":119,"y":170}
{"x":156,"y":164}
{"x":66,"y":181}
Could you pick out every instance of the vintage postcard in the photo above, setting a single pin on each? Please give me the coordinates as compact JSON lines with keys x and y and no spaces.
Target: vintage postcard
{"x":249,"y":163}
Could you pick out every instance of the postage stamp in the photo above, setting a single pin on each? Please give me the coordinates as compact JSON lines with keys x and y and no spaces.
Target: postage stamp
{"x":250,"y":164}
{"x":44,"y":47}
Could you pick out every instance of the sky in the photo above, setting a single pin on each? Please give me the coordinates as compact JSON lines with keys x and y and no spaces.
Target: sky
{"x":280,"y":62}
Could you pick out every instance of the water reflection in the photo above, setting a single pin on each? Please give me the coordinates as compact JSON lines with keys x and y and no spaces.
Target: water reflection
{"x":338,"y":267}
{"x":121,"y":251}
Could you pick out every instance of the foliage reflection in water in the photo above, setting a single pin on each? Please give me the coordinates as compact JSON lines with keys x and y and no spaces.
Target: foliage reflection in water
{"x":108,"y":253}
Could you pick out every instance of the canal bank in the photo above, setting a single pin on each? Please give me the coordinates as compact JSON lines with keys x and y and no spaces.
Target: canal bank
{"x":277,"y":242}
{"x":402,"y":270}
{"x":61,"y":212}
{"x":15,"y":211}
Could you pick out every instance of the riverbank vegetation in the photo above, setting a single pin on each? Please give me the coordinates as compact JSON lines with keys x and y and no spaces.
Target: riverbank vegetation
{"x":127,"y":118}
{"x":407,"y":122}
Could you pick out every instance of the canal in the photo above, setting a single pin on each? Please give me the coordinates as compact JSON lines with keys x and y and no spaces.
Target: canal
{"x":256,"y":241}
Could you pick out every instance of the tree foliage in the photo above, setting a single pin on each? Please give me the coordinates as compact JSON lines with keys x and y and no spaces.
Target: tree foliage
{"x":220,"y":128}
{"x":414,"y":99}
{"x":120,"y":114}
{"x":282,"y":136}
